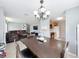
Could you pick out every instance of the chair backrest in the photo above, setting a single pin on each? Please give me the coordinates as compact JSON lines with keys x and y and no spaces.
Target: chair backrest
{"x":18,"y":53}
{"x":66,"y":45}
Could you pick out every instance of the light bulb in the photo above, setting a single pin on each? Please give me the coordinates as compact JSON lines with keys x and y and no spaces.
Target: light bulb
{"x":37,"y":16}
{"x":48,"y":12}
{"x":42,"y":9}
{"x":45,"y":16}
{"x":35,"y":12}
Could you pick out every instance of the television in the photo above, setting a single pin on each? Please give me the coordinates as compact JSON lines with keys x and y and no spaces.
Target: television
{"x":35,"y":27}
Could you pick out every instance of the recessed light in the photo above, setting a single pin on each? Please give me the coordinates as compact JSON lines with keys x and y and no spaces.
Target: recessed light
{"x":60,"y":18}
{"x":8,"y":19}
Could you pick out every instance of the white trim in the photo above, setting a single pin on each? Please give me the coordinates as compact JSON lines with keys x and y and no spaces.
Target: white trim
{"x":78,"y":39}
{"x":71,"y":54}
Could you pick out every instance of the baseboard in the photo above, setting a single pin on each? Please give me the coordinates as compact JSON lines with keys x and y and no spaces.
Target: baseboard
{"x":71,"y":53}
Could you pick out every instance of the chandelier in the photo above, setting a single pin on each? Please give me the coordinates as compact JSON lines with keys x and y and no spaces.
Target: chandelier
{"x":42,"y":12}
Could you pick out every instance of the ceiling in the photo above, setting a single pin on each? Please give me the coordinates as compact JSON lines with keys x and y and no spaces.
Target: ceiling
{"x":22,"y":10}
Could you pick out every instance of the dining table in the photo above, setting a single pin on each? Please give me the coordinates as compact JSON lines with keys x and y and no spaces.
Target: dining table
{"x":52,"y":48}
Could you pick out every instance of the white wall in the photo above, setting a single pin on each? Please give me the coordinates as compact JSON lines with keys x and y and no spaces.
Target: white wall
{"x":16,"y":26}
{"x":2,"y":26}
{"x":72,"y":19}
{"x":44,"y":28}
{"x":6,"y":26}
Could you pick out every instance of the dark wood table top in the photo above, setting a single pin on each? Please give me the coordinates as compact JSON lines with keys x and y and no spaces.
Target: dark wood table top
{"x":50,"y":49}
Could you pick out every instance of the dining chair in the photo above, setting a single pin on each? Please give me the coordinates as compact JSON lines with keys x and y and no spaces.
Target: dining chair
{"x":25,"y":53}
{"x":18,"y":53}
{"x":64,"y":50}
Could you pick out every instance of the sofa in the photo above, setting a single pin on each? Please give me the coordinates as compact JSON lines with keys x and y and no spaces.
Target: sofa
{"x":16,"y":34}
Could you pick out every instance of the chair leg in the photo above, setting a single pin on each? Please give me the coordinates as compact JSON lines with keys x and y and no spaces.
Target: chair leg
{"x":17,"y":51}
{"x":62,"y":54}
